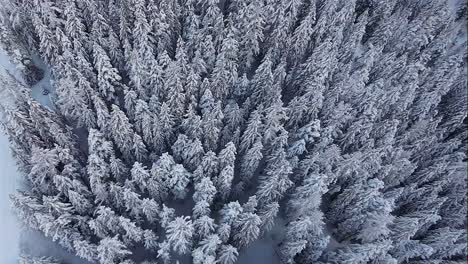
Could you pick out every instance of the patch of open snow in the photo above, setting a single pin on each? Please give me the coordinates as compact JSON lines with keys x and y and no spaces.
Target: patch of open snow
{"x":9,"y":178}
{"x":261,"y":251}
{"x":332,"y":243}
{"x":34,"y":243}
{"x":9,"y":228}
{"x":45,"y":83}
{"x":36,"y":90}
{"x":6,"y":64}
{"x":265,"y":249}
{"x":454,"y":5}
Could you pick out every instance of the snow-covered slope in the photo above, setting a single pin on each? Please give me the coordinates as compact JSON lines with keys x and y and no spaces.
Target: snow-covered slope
{"x":9,"y":229}
{"x":8,"y":184}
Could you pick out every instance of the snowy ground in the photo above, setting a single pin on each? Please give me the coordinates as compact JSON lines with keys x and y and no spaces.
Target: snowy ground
{"x":36,"y":90}
{"x":9,"y":182}
{"x":9,"y":228}
{"x":264,"y":250}
{"x":261,"y":251}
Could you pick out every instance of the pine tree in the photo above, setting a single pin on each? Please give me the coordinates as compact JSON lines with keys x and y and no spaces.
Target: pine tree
{"x":200,"y":209}
{"x":122,"y":131}
{"x":251,"y":160}
{"x":204,"y":191}
{"x":262,"y":83}
{"x":268,"y":215}
{"x":247,"y":228}
{"x":274,"y":184}
{"x":230,"y":212}
{"x":111,"y":249}
{"x":24,"y":259}
{"x":178,"y":181}
{"x":163,"y":127}
{"x":140,"y":176}
{"x":224,"y":181}
{"x":251,"y":26}
{"x":356,"y":253}
{"x":228,"y":255}
{"x":108,"y":77}
{"x":86,"y":250}
{"x":253,"y":130}
{"x":179,"y":234}
{"x":164,"y":252}
{"x":204,"y":227}
{"x":166,"y":215}
{"x":225,"y":69}
{"x":373,"y":224}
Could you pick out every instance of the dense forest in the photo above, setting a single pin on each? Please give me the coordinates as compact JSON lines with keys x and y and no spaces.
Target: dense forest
{"x":182,"y":131}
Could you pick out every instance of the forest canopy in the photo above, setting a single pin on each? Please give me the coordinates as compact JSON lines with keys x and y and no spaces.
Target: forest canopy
{"x":188,"y":130}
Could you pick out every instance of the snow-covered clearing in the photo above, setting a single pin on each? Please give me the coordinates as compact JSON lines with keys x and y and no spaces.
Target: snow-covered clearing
{"x":36,"y":90}
{"x":261,"y":251}
{"x":35,"y":243}
{"x":265,"y":249}
{"x":9,"y":228}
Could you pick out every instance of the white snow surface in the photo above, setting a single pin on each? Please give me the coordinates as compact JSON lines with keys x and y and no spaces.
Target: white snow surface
{"x":9,"y":182}
{"x":265,"y":249}
{"x":34,"y":243}
{"x":36,"y":90}
{"x":9,"y":228}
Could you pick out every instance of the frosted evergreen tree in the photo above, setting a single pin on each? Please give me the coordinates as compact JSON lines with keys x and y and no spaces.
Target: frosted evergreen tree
{"x":224,"y":181}
{"x":211,"y":123}
{"x":140,"y":176}
{"x":204,"y":191}
{"x":200,"y":209}
{"x":111,"y":250}
{"x":374,"y":225}
{"x":163,"y":128}
{"x":166,"y":215}
{"x":121,"y":131}
{"x":253,"y":130}
{"x":86,"y":250}
{"x":178,"y":181}
{"x":25,"y":259}
{"x":268,"y":215}
{"x":247,"y":228}
{"x":230,"y":212}
{"x":251,"y":26}
{"x":180,"y":233}
{"x":274,"y":184}
{"x":144,"y":121}
{"x":210,"y":244}
{"x":204,"y":226}
{"x":164,"y":252}
{"x":192,"y":124}
{"x":108,"y":77}
{"x":225,"y":69}
{"x":233,"y":119}
{"x":228,"y":254}
{"x":251,"y":160}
